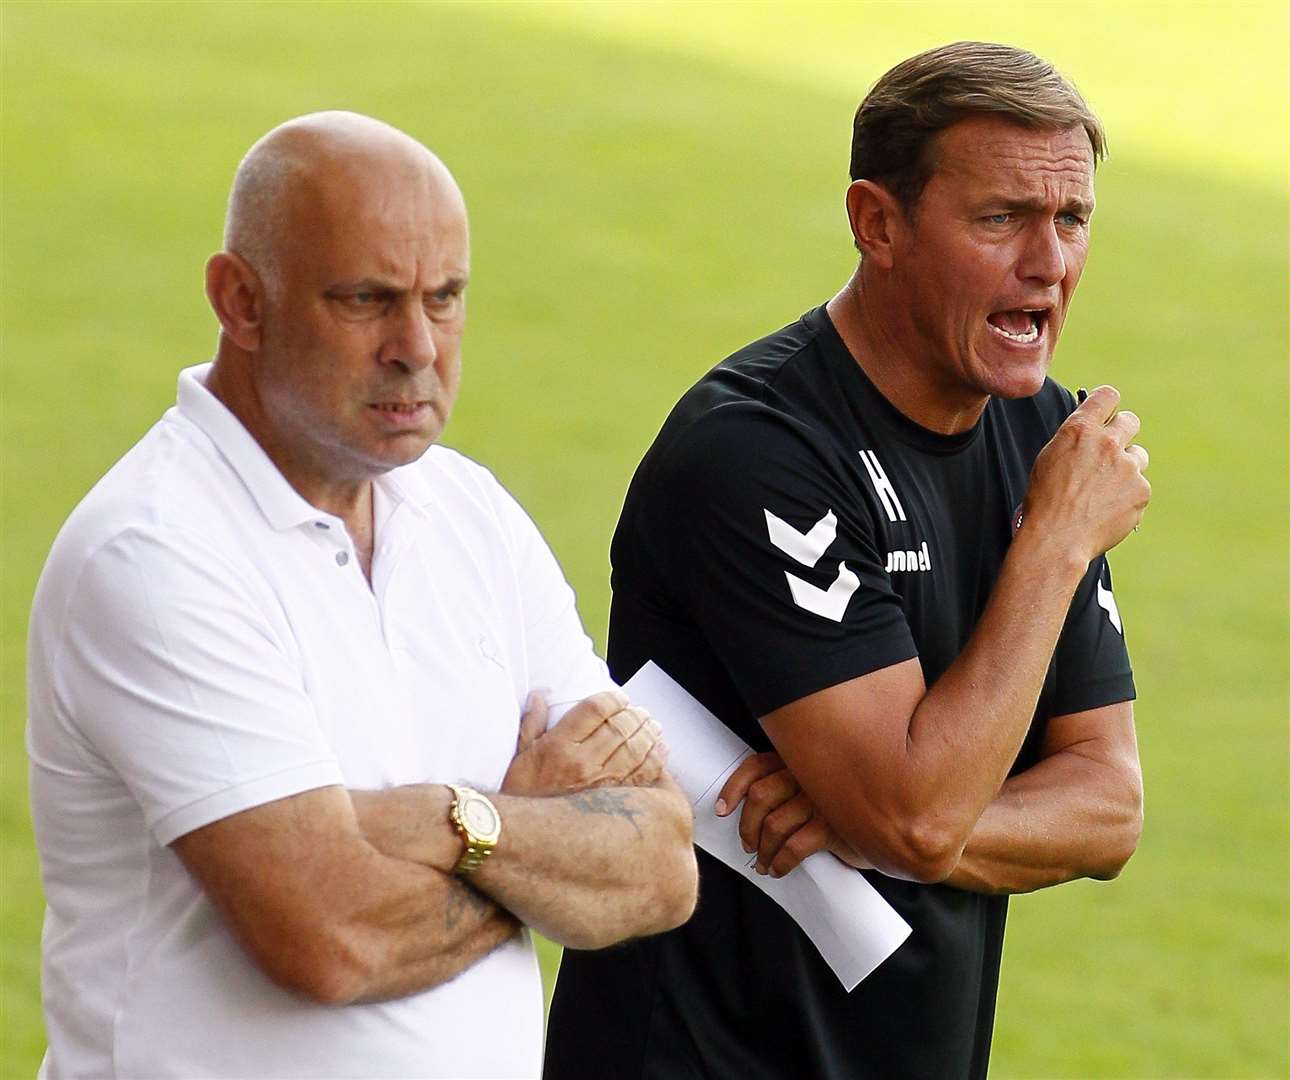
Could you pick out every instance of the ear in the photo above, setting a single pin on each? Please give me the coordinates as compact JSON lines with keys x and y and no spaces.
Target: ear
{"x":236,"y":295}
{"x":876,"y":221}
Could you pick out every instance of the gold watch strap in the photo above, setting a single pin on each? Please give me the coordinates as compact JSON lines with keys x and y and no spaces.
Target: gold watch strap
{"x":478,"y":848}
{"x":471,"y":859}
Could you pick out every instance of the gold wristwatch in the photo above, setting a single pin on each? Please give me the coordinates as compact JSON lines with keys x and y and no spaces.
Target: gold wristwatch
{"x":479,"y":823}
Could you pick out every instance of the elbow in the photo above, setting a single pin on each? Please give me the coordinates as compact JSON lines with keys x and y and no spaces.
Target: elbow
{"x":327,"y":966}
{"x":679,"y":884}
{"x":673,"y":891}
{"x":924,"y":848}
{"x":1121,"y":840}
{"x":335,"y":986}
{"x":678,"y":893}
{"x":663,"y":891}
{"x":329,"y":988}
{"x":930,"y":851}
{"x":674,"y":874}
{"x":663,"y":905}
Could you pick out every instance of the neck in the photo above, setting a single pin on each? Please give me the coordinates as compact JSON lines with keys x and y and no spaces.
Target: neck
{"x":879,"y":333}
{"x":348,"y":498}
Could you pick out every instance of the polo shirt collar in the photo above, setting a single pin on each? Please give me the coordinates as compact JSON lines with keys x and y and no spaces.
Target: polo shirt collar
{"x":407,"y":485}
{"x":282,"y":506}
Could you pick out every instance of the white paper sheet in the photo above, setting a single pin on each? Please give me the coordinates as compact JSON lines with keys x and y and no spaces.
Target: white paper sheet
{"x":854,"y":928}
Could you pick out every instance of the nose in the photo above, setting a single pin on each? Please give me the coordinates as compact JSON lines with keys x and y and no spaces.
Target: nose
{"x":1044,"y":259}
{"x":411,"y":343}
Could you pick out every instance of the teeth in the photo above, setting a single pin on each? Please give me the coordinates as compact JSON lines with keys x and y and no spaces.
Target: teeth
{"x":1026,"y":336}
{"x":1030,"y":335}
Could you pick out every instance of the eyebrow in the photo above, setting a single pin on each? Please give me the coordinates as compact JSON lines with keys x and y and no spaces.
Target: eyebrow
{"x":452,"y":284}
{"x":1007,"y":202}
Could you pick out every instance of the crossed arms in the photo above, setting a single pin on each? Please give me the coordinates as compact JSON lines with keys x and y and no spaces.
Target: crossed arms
{"x":886,"y":772}
{"x":349,"y":896}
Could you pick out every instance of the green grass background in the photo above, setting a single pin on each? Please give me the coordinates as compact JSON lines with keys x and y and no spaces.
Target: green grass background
{"x":650,"y":187}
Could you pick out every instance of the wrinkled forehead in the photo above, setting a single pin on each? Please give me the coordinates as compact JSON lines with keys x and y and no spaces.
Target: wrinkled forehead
{"x":991,"y":151}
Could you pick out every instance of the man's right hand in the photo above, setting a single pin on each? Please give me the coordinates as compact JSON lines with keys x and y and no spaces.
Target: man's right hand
{"x":1087,"y":490}
{"x":600,"y":741}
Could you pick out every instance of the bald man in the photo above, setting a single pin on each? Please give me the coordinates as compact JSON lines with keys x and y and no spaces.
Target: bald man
{"x":296,"y":788}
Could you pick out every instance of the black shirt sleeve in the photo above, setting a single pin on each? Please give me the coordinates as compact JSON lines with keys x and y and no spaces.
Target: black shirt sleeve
{"x":772,"y":555}
{"x":1091,"y":664}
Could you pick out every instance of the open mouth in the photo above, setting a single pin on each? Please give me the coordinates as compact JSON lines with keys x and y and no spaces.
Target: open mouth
{"x":1022,"y":325}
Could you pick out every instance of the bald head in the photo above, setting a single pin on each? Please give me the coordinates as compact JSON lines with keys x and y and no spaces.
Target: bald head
{"x":308,"y":169}
{"x":341,"y":297}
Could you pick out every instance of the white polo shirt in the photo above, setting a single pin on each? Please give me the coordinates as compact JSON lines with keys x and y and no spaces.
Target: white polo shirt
{"x":204,"y":641}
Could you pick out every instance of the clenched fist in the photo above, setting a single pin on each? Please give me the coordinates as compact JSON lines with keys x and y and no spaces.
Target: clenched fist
{"x":1087,"y":491}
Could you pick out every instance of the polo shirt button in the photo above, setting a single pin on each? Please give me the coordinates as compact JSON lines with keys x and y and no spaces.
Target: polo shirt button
{"x":342,"y":557}
{"x":321,"y":525}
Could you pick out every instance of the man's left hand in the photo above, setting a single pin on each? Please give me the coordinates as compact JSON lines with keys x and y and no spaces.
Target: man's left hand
{"x":600,"y":741}
{"x":779,"y":821}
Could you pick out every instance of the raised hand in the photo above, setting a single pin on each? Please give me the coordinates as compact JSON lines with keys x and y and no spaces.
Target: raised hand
{"x":1087,"y":490}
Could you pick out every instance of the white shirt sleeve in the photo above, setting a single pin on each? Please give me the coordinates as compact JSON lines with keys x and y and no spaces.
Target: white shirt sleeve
{"x":561,"y":657}
{"x":175,"y":668}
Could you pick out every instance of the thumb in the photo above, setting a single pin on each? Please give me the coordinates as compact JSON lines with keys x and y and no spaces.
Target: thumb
{"x":1100,"y":404}
{"x":533,"y":722}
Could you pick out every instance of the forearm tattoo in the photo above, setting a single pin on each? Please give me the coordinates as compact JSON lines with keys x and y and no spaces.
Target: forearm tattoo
{"x":611,"y":803}
{"x":463,"y":900}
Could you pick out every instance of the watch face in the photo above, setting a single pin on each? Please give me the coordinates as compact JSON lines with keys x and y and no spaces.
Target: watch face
{"x":479,"y":817}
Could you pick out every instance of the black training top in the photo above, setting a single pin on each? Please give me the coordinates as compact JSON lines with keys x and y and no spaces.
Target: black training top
{"x":790,"y":530}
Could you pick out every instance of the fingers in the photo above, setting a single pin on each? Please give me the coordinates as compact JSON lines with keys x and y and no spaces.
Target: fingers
{"x":1124,"y":426}
{"x":624,"y":754}
{"x":587,"y":716}
{"x":1087,"y":487}
{"x":612,"y":732}
{"x":533,"y":722}
{"x":1145,"y":500}
{"x":624,"y":724}
{"x":815,"y":835}
{"x":649,"y":770}
{"x":600,"y":741}
{"x":778,"y":825}
{"x":753,"y":767}
{"x":1100,"y":404}
{"x":764,"y":795}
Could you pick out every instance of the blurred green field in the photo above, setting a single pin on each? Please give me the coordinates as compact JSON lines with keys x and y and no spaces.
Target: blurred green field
{"x":651,"y":186}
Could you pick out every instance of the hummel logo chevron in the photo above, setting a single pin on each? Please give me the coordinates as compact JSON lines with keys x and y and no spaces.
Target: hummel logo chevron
{"x":807,"y":549}
{"x":1107,"y":603}
{"x":832,"y":602}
